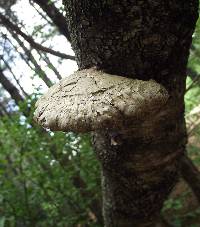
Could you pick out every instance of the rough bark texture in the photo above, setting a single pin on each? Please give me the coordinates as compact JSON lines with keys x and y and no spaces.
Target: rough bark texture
{"x":146,"y":39}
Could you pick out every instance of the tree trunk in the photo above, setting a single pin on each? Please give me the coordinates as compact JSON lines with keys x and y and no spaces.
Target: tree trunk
{"x":143,"y":40}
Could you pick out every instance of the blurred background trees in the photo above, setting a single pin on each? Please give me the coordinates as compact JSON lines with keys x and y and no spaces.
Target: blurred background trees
{"x":53,"y":179}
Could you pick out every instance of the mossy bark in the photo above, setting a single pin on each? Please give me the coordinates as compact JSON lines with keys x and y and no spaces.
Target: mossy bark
{"x":146,"y":39}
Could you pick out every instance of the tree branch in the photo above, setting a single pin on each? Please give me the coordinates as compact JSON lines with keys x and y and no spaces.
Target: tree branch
{"x":191,"y":175}
{"x":10,"y":88}
{"x":58,"y":19}
{"x":50,"y":65}
{"x":16,"y":80}
{"x":37,"y":69}
{"x":30,"y":40}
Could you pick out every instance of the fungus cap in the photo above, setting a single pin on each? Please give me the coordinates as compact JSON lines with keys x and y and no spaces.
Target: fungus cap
{"x":91,"y":100}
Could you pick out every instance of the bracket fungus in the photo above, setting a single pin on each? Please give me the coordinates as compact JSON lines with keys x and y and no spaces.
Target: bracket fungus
{"x":91,"y":100}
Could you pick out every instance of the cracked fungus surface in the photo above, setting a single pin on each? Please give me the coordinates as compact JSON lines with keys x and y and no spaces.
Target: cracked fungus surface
{"x":91,"y":100}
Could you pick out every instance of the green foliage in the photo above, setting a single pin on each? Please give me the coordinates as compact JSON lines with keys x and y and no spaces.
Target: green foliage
{"x":46,"y":179}
{"x":178,"y":215}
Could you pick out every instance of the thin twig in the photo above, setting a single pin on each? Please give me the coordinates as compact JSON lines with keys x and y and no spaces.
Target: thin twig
{"x":30,"y":40}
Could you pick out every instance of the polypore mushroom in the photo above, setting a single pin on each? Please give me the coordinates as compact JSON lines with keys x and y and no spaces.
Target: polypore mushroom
{"x":91,"y":100}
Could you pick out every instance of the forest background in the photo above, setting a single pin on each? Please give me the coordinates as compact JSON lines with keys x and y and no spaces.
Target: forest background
{"x":53,"y":179}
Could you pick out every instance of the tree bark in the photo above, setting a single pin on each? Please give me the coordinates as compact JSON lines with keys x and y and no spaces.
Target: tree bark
{"x":144,"y":40}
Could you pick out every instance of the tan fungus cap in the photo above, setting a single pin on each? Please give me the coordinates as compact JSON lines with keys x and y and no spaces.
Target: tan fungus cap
{"x":91,"y":100}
